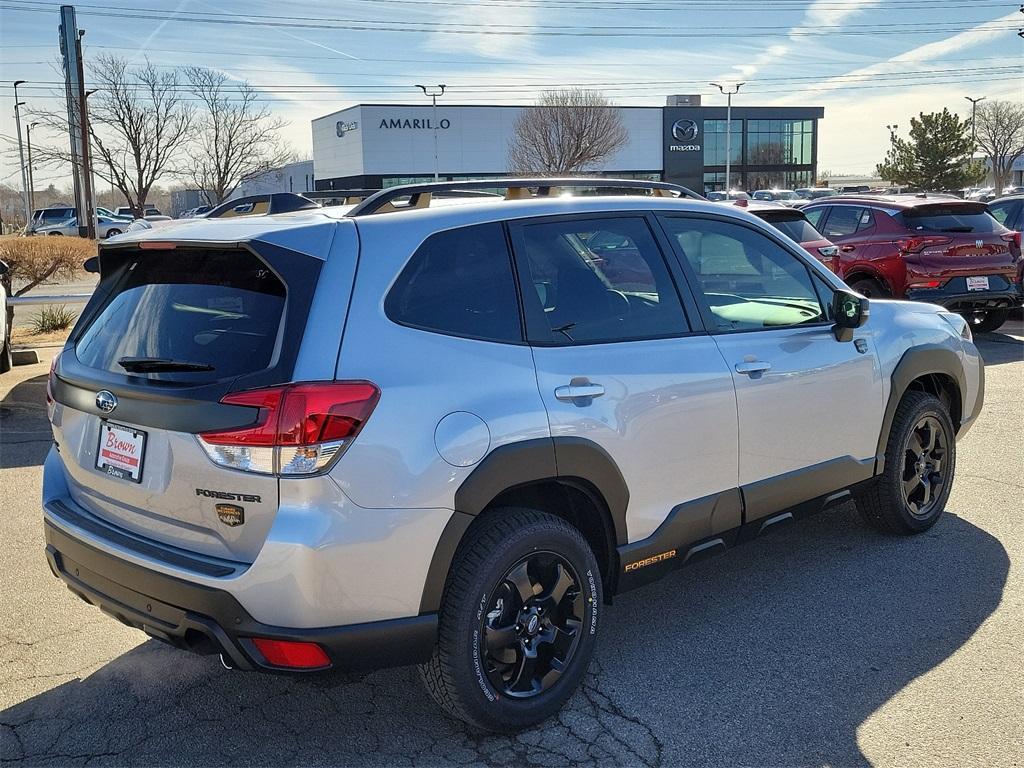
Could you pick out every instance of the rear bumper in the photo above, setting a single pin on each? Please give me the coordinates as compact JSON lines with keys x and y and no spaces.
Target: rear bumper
{"x":957,"y":300}
{"x":205,"y":620}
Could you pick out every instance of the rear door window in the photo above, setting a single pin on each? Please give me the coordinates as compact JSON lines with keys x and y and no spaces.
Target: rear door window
{"x":218,"y":311}
{"x":962,"y":217}
{"x":845,"y":220}
{"x":459,"y":282}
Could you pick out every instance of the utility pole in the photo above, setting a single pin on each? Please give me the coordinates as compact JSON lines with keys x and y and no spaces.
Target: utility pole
{"x":31,"y":180}
{"x":974,"y":112}
{"x":433,"y":120}
{"x":83,"y":106}
{"x":728,"y":130}
{"x":70,"y":49}
{"x":21,"y":154}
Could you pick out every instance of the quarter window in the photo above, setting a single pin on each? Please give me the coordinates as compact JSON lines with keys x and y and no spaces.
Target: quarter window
{"x":597,"y":280}
{"x":460,"y":283}
{"x":748,"y":280}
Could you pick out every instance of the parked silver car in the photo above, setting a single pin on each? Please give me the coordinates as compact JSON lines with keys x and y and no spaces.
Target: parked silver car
{"x":105,"y":227}
{"x":447,"y":431}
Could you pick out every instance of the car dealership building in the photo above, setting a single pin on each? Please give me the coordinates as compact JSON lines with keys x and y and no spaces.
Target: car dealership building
{"x":369,"y":146}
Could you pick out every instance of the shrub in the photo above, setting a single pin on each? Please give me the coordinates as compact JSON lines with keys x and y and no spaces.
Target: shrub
{"x":33,"y":260}
{"x":52,"y":318}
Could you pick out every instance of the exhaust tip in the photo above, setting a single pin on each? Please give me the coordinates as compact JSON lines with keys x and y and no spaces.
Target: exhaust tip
{"x":224,"y":662}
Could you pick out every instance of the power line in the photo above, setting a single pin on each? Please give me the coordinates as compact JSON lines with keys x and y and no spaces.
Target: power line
{"x":467,"y":28}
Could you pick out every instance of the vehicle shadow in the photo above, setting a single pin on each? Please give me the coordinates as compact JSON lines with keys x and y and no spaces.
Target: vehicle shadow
{"x":772,"y":655}
{"x":25,"y":435}
{"x":998,"y":348}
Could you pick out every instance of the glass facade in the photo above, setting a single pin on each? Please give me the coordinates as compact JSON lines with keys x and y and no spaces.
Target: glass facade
{"x":780,"y":142}
{"x":714,"y":142}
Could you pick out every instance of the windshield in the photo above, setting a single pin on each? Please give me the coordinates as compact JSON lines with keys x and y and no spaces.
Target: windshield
{"x":962,"y":217}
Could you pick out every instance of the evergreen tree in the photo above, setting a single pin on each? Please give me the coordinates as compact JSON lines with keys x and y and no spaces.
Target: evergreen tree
{"x":936,"y":157}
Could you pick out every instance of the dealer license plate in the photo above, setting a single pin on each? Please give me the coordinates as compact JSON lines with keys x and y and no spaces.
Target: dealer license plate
{"x":121,"y":451}
{"x":977,"y":283}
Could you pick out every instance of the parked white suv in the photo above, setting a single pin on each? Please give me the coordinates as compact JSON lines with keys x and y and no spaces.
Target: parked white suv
{"x":446,"y":431}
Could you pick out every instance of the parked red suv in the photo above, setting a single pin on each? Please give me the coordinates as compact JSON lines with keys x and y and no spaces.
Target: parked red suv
{"x":928,"y":248}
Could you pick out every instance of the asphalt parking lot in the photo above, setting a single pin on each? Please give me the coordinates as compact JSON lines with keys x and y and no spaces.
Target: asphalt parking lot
{"x":825,"y":644}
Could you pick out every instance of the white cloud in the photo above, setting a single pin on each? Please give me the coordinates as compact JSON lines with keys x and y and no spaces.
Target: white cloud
{"x":824,"y":13}
{"x":483,"y":12}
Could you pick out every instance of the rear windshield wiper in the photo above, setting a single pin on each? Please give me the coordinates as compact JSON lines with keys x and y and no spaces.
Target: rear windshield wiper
{"x":160,"y":365}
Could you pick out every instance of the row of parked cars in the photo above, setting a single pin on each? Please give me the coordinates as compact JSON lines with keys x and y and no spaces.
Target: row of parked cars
{"x":961,"y":254}
{"x":63,"y":220}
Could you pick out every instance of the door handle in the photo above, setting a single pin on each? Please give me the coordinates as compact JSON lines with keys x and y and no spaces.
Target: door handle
{"x":847,"y":248}
{"x":577,"y":391}
{"x":752,"y":367}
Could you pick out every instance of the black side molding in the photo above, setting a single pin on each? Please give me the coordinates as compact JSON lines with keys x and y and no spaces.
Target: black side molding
{"x":545,"y":458}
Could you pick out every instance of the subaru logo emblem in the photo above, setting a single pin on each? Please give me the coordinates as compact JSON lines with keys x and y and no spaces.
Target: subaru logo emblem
{"x":106,"y":401}
{"x":684,"y":130}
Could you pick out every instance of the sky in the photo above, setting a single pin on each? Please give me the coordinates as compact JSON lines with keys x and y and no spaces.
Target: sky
{"x":869,"y":63}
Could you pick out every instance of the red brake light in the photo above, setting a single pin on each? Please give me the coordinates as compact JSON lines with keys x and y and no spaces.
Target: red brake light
{"x":741,"y":203}
{"x":300,"y":414}
{"x":157,"y":245}
{"x":292,"y":653}
{"x":918,"y":244}
{"x":1012,"y":237}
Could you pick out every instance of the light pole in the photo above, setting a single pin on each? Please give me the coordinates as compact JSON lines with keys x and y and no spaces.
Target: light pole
{"x":728,"y":130}
{"x":974,"y":112}
{"x":21,"y":154}
{"x":433,"y":120}
{"x":31,"y":181}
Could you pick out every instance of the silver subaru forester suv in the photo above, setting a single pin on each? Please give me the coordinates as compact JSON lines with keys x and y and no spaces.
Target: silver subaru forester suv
{"x":444,"y":426}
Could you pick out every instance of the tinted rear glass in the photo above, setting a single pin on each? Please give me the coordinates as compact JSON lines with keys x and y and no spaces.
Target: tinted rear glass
{"x":794,"y":226}
{"x":957,"y":217}
{"x":220,"y":308}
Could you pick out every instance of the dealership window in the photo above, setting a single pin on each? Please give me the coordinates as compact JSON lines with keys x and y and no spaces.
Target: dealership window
{"x":780,"y":142}
{"x":760,"y":179}
{"x":714,"y":142}
{"x":715,"y":181}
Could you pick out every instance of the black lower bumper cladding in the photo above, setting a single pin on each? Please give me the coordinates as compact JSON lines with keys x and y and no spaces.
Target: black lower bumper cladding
{"x":204,"y":620}
{"x":962,"y":301}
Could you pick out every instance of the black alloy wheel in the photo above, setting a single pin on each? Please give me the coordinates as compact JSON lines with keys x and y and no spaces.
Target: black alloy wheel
{"x":924,"y":466}
{"x":532,"y":626}
{"x":986,"y":321}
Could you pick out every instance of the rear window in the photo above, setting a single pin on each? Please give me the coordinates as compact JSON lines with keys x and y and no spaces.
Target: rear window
{"x":956,"y":217}
{"x":219,"y":309}
{"x":793,"y":225}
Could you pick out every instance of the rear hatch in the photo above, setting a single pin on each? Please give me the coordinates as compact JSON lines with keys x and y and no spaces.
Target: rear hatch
{"x":796,"y":227}
{"x":953,"y":240}
{"x":168,"y":334}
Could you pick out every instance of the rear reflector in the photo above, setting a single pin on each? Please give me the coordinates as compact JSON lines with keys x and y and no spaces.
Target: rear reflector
{"x":300,"y":428}
{"x":926,"y":284}
{"x":291,"y":653}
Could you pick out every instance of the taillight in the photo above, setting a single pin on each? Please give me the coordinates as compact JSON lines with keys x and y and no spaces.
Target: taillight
{"x":299,"y":430}
{"x":925,"y":284}
{"x":829,"y":251}
{"x":918,"y":244}
{"x":1013,"y":238}
{"x":292,"y":653}
{"x":51,"y":379}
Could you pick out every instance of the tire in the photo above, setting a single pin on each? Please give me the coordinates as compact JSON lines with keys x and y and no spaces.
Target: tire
{"x":113,"y":233}
{"x":465,"y":677}
{"x":987,"y":321}
{"x":868,"y":286}
{"x":895,"y":503}
{"x":55,"y":234}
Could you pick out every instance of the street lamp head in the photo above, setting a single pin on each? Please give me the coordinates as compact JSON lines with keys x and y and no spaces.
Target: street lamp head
{"x":19,"y":104}
{"x":18,"y":82}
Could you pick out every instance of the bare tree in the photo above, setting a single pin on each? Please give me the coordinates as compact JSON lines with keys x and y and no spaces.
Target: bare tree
{"x":566,"y":132}
{"x":138,"y":122}
{"x":999,"y":131}
{"x":236,"y":137}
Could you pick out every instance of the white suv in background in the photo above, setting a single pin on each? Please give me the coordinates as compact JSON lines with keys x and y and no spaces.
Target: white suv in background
{"x":445,"y":429}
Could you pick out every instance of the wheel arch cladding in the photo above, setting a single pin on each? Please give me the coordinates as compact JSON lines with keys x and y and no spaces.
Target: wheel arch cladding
{"x":515,"y":473}
{"x":930,"y":368}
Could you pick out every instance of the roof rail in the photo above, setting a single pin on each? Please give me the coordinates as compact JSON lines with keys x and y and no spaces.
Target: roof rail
{"x":419,"y":195}
{"x":261,"y":205}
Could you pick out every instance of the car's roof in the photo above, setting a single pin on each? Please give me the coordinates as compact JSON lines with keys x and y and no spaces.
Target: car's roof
{"x":293,"y":229}
{"x":900,"y":201}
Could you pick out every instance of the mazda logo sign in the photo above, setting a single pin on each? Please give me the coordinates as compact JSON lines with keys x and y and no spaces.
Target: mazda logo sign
{"x":106,"y":401}
{"x":684,"y":130}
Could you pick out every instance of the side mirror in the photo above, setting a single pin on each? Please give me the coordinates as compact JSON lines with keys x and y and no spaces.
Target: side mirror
{"x":850,"y":311}
{"x":92,"y":265}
